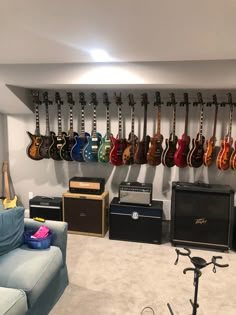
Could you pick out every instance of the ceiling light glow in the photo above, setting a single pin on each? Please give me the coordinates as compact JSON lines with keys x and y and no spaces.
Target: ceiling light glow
{"x":100,"y":55}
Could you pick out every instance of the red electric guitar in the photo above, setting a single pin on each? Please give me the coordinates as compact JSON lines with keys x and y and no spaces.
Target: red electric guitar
{"x":195,"y":155}
{"x":210,"y":144}
{"x":119,"y":143}
{"x":181,"y":153}
{"x":155,"y":151}
{"x":170,"y":149}
{"x":223,"y":157}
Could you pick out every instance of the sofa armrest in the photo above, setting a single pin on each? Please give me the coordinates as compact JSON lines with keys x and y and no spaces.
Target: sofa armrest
{"x":58,"y":229}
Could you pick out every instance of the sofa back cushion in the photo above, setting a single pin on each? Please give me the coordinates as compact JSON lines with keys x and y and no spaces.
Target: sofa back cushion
{"x":11,"y":229}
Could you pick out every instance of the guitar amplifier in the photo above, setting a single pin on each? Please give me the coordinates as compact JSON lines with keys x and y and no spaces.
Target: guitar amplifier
{"x":48,"y":208}
{"x":87,"y":185}
{"x":135,"y":193}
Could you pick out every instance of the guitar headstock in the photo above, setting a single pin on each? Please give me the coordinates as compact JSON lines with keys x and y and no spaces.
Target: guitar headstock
{"x":144,"y":99}
{"x":46,"y":99}
{"x":118,"y":99}
{"x":36,"y":99}
{"x":70,"y":99}
{"x":158,"y":101}
{"x":214,"y":101}
{"x":82,"y":100}
{"x":199,"y":100}
{"x":185,"y":102}
{"x":106,"y":101}
{"x":229,"y":101}
{"x":172,"y":100}
{"x":131,"y":100}
{"x":93,"y":101}
{"x":58,"y":99}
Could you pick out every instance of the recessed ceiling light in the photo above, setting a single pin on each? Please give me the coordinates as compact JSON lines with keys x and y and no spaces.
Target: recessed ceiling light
{"x":100,"y":55}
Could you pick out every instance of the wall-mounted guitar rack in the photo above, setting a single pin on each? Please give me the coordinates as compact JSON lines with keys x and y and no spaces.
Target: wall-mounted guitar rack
{"x":80,"y":146}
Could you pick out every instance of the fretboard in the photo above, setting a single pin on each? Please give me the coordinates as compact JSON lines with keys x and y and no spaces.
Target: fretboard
{"x":37,"y":129}
{"x":108,"y":120}
{"x":94,"y":131}
{"x":82,"y":128}
{"x":47,"y":133}
{"x":145,"y":122}
{"x":230,"y":120}
{"x":159,"y":120}
{"x":174,"y":121}
{"x":119,"y":122}
{"x":71,"y":131}
{"x":215,"y":120}
{"x":132,"y":123}
{"x":201,"y":121}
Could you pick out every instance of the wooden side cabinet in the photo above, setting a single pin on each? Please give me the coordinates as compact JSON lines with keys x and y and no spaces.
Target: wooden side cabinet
{"x":86,"y":214}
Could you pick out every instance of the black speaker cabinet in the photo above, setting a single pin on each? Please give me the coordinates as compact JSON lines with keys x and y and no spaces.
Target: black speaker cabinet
{"x":48,"y":208}
{"x":136,"y":223}
{"x":86,"y":214}
{"x":202,"y":215}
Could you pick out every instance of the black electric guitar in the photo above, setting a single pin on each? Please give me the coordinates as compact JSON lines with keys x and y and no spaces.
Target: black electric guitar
{"x":195,"y":155}
{"x":128,"y":154}
{"x":33,"y":148}
{"x":47,"y":139}
{"x":82,"y":139}
{"x":58,"y":139}
{"x":171,"y":143}
{"x":140,"y":156}
{"x":69,"y":139}
{"x":90,"y":151}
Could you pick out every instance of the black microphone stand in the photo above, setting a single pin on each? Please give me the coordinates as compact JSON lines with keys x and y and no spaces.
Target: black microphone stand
{"x":198,"y":263}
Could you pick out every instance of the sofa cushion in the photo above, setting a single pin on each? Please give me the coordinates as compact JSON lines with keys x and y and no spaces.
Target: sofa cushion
{"x":12,"y":302}
{"x":30,"y":270}
{"x":11,"y":229}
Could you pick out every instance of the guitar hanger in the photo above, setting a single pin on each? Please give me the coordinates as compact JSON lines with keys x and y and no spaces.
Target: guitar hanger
{"x":158,"y":101}
{"x":214,"y":102}
{"x":185,"y":101}
{"x":199,"y":100}
{"x":46,"y":101}
{"x":172,"y":100}
{"x":229,"y":101}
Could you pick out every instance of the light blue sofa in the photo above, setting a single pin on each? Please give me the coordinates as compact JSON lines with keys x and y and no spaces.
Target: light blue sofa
{"x":31,"y":281}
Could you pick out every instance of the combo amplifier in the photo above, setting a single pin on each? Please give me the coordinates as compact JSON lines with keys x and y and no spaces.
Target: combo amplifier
{"x":87,"y":185}
{"x":135,"y":193}
{"x":48,"y":208}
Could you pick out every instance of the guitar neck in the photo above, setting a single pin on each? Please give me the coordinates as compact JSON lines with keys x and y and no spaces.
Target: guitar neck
{"x":159,"y":120}
{"x":120,"y":122}
{"x":59,"y":120}
{"x":82,"y":128}
{"x":71,"y":130}
{"x":94,"y":132}
{"x":47,"y":133}
{"x":230,"y":121}
{"x":215,"y":121}
{"x":186,"y":120}
{"x":174,"y":121}
{"x":201,"y":122}
{"x":145,"y":122}
{"x":37,"y":129}
{"x":132,"y":123}
{"x":108,"y":120}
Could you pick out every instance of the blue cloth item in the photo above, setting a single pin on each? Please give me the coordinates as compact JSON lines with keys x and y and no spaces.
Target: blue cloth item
{"x":11,"y":229}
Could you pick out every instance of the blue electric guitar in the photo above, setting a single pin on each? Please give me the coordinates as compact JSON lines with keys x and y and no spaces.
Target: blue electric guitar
{"x":90,"y":151}
{"x":69,"y":140}
{"x":106,"y":145}
{"x":82,"y":139}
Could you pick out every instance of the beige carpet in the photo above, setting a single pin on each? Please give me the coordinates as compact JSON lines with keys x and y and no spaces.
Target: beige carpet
{"x":122,"y":278}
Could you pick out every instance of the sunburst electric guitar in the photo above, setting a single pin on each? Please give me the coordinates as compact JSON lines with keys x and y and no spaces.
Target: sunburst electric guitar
{"x":155,"y":151}
{"x":82,"y":139}
{"x":129,"y":151}
{"x":33,"y":148}
{"x":195,"y":155}
{"x":171,"y":143}
{"x":7,"y":201}
{"x":106,"y":144}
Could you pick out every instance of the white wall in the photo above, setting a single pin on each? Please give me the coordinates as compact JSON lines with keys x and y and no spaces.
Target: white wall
{"x":50,"y":178}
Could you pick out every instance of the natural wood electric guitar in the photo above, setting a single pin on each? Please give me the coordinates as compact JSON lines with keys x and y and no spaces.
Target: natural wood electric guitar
{"x":33,"y":148}
{"x":155,"y":151}
{"x":128,"y":154}
{"x":224,"y":155}
{"x":195,"y":155}
{"x":210,"y":144}
{"x":7,"y":201}
{"x":181,"y":153}
{"x":171,"y":143}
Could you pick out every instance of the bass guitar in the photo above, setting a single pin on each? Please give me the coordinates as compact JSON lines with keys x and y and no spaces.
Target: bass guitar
{"x":171,"y":143}
{"x":106,"y":144}
{"x":210,"y":144}
{"x":69,"y":139}
{"x":129,"y":151}
{"x":33,"y":148}
{"x":140,"y":156}
{"x":155,"y":151}
{"x":223,"y":157}
{"x":90,"y":151}
{"x":58,"y":139}
{"x":47,"y":139}
{"x":181,"y":153}
{"x":82,"y":139}
{"x":195,"y":155}
{"x":119,"y":143}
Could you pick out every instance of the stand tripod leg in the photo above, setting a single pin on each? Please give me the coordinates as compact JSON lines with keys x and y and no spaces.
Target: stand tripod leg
{"x":170,"y":309}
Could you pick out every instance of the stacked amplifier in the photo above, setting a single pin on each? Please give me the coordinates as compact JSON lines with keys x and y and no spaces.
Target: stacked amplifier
{"x":134,"y":216}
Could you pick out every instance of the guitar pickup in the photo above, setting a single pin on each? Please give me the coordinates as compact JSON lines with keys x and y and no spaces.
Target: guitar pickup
{"x":94,"y":146}
{"x":94,"y":139}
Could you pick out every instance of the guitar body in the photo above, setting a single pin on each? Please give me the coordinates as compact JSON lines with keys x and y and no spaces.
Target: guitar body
{"x":55,"y":148}
{"x":169,"y":152}
{"x":129,"y":151}
{"x":45,"y":145}
{"x":181,"y":153}
{"x":33,"y":148}
{"x":209,"y":152}
{"x":233,"y":158}
{"x":90,"y":151}
{"x":69,"y":142}
{"x":10,"y":203}
{"x":140,"y":156}
{"x":104,"y":149}
{"x":223,"y":157}
{"x":77,"y":149}
{"x":195,"y":155}
{"x":155,"y":151}
{"x":116,"y":153}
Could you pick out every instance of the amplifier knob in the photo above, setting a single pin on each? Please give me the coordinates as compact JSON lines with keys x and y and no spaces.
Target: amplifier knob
{"x":135,"y":215}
